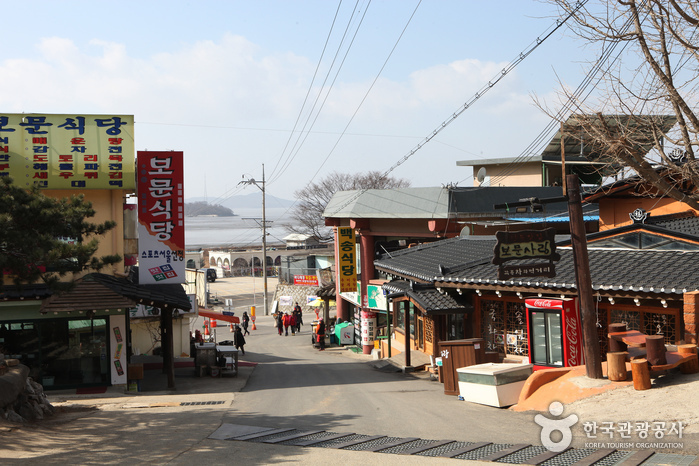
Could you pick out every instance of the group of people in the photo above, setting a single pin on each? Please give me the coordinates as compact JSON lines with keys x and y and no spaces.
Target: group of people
{"x":293,"y":320}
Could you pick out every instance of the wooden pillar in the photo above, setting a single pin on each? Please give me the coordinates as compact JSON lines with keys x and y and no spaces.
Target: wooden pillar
{"x":406,"y":314}
{"x":655,"y":350}
{"x":616,"y":345}
{"x":691,"y":366}
{"x":591,"y":346}
{"x":641,"y":374}
{"x":616,"y":366}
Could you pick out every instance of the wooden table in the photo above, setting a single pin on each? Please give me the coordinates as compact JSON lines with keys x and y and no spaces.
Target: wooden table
{"x":632,"y":338}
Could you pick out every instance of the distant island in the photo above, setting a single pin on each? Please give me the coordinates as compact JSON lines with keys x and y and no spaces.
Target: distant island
{"x":199,"y":209}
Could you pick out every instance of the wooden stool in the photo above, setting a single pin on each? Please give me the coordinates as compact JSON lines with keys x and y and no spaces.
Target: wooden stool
{"x":655,"y":350}
{"x":616,"y":366}
{"x":616,"y":346}
{"x":640,"y":372}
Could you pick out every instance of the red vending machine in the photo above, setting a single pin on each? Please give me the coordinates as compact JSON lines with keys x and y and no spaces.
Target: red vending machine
{"x":555,"y":332}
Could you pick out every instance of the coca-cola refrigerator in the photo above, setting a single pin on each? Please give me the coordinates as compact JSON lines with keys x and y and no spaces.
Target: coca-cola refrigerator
{"x":554,"y":332}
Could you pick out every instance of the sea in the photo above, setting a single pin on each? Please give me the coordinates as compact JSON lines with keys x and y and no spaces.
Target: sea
{"x":242,"y":230}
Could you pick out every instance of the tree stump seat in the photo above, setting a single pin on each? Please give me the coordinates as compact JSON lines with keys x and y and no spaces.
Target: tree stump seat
{"x":686,"y":359}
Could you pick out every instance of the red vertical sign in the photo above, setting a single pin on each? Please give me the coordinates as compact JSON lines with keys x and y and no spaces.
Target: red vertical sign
{"x":161,"y":217}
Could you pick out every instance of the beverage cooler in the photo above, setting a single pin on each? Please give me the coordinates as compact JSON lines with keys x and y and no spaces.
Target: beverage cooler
{"x":554,"y":332}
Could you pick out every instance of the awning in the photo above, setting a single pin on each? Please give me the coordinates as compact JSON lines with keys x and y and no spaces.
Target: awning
{"x":219,"y":316}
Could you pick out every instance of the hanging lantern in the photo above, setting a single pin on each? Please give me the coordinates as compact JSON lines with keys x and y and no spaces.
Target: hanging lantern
{"x":213,"y":323}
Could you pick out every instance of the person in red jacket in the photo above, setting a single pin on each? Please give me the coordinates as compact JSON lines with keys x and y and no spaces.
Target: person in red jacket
{"x":320,"y":333}
{"x":289,"y":321}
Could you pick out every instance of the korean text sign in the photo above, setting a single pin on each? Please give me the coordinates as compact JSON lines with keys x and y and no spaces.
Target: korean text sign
{"x":347,"y":262}
{"x":161,"y":217}
{"x":57,"y":151}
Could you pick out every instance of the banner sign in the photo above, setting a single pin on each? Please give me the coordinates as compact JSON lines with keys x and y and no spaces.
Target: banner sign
{"x":161,"y":245}
{"x":347,"y":267}
{"x":68,"y":151}
{"x":306,"y":280}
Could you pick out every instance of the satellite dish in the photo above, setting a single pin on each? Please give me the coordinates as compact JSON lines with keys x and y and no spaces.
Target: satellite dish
{"x":465,"y":231}
{"x":481,"y":175}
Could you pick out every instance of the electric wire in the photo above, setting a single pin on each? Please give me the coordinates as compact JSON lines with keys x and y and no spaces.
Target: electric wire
{"x":482,"y":91}
{"x":303,"y":134}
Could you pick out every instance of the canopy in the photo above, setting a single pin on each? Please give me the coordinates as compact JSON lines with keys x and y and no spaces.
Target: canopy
{"x":218,"y":316}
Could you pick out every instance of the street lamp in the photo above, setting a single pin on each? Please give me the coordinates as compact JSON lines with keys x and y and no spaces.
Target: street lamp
{"x":261,"y":186}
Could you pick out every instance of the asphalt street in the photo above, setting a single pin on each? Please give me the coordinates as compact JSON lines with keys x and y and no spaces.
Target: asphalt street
{"x":284,"y":384}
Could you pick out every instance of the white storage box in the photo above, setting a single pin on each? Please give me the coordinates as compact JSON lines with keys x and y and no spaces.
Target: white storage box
{"x":493,"y":384}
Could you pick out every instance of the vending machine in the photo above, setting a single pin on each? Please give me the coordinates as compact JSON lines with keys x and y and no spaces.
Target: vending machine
{"x":554,"y":332}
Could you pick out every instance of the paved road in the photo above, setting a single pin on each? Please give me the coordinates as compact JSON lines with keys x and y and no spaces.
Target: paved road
{"x":293,"y":386}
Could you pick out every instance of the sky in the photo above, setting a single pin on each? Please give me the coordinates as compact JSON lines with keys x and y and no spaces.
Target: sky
{"x":236,"y":85}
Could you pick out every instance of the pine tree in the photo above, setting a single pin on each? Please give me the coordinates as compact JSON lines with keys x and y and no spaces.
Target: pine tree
{"x":44,"y":239}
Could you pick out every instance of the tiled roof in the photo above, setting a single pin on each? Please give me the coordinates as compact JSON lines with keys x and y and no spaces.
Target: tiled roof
{"x":428,"y":298}
{"x":688,"y":225}
{"x":649,"y":271}
{"x":423,"y":262}
{"x":98,"y":291}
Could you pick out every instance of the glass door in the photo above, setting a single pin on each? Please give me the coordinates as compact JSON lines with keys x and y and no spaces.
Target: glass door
{"x":555,"y":338}
{"x":538,"y":337}
{"x":546,"y":338}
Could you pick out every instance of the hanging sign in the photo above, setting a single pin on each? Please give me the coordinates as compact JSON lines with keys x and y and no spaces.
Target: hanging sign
{"x":347,"y":267}
{"x":161,"y":217}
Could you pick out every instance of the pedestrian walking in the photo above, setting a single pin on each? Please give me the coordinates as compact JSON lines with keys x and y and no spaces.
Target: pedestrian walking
{"x":287,"y":322}
{"x":246,"y":321}
{"x":298,"y":315}
{"x":239,"y":339}
{"x":279,"y":319}
{"x":320,"y":332}
{"x":292,"y":324}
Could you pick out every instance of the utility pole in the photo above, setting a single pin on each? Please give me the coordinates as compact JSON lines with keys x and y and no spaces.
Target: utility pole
{"x":261,"y":186}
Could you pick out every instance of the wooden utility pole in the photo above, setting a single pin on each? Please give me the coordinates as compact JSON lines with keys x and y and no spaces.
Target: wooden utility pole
{"x":593,"y":359}
{"x":167,"y":346}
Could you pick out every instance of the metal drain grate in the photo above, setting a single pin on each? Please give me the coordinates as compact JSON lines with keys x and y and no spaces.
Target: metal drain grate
{"x":286,"y":433}
{"x":316,"y":436}
{"x":519,"y":457}
{"x":669,"y":458}
{"x":371,"y":444}
{"x":442,"y":450}
{"x":408,"y":446}
{"x":201,"y":403}
{"x":569,"y":457}
{"x":482,"y":451}
{"x":349,"y":438}
{"x":614,"y":458}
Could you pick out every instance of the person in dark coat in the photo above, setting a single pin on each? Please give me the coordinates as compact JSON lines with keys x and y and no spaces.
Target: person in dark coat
{"x":320,"y":331}
{"x":279,"y":318}
{"x":299,"y":320}
{"x":246,"y":321}
{"x":239,"y":339}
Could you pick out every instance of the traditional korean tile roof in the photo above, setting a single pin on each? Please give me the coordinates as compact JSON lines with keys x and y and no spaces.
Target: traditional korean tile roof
{"x":467,"y":261}
{"x":688,"y":225}
{"x":428,"y":298}
{"x":98,"y":291}
{"x":423,"y":262}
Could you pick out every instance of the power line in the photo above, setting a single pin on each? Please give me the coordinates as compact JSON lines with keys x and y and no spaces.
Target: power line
{"x":481,"y":92}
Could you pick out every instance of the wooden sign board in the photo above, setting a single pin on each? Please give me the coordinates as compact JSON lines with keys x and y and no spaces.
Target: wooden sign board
{"x":527,"y":244}
{"x":510,"y":272}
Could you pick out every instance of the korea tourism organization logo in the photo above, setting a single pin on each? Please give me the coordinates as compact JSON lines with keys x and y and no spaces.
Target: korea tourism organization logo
{"x":557,"y":432}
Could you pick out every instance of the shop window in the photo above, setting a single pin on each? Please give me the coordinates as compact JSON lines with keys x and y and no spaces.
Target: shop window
{"x":504,"y":326}
{"x":400,"y":317}
{"x":650,"y":323}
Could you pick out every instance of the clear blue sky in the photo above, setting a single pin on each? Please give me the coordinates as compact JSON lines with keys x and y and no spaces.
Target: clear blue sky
{"x":225,"y":81}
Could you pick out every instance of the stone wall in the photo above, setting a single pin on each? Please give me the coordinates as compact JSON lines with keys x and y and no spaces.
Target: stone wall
{"x":298,"y":294}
